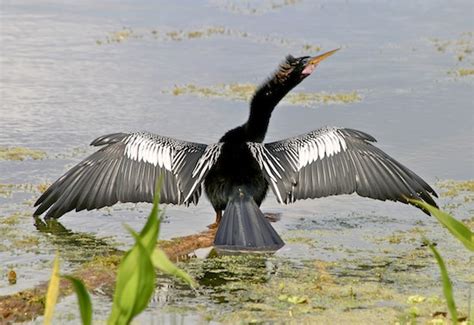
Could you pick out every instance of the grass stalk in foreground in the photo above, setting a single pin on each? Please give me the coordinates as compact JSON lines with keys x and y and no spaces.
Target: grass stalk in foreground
{"x":455,"y":227}
{"x":83,"y":299}
{"x":53,"y":292}
{"x":447,"y":287}
{"x":461,"y":232}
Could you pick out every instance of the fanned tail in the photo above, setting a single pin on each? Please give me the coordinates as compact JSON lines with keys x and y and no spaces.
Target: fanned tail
{"x":245,"y":228}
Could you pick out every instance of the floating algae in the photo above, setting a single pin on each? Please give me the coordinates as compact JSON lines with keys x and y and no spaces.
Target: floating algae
{"x":465,"y":72}
{"x":12,"y":219}
{"x":323,"y":97}
{"x":253,"y":7}
{"x":254,"y":289}
{"x":244,"y":92}
{"x":6,"y":190}
{"x":394,"y":281}
{"x":457,"y":189}
{"x":119,"y":36}
{"x":178,"y":35}
{"x":266,"y":288}
{"x":20,"y":153}
{"x":461,"y":47}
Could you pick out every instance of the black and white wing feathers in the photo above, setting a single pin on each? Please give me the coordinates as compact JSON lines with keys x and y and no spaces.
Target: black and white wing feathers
{"x":333,"y":161}
{"x":126,"y":169}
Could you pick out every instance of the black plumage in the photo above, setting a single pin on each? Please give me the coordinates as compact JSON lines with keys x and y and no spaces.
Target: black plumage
{"x":238,"y":170}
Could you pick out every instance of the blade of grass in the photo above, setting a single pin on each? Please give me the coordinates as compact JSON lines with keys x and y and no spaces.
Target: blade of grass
{"x":83,"y":298}
{"x":136,"y":275}
{"x":135,"y":284}
{"x":151,"y":230}
{"x":52,"y":293}
{"x":457,"y":228}
{"x":163,"y":263}
{"x":447,"y":287}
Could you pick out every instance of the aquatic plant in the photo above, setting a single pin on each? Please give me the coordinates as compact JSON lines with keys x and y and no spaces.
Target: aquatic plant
{"x":447,"y":287}
{"x":20,"y":153}
{"x":245,"y":91}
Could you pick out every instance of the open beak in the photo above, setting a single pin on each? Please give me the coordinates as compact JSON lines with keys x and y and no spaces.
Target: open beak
{"x":315,"y":60}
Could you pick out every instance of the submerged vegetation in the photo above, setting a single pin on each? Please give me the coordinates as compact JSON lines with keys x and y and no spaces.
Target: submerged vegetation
{"x":461,"y":47}
{"x":260,"y":288}
{"x":253,"y":7}
{"x":392,"y":282}
{"x":452,"y":188}
{"x":178,"y":35}
{"x":20,"y":153}
{"x":244,"y":92}
{"x":462,"y":50}
{"x":464,"y":72}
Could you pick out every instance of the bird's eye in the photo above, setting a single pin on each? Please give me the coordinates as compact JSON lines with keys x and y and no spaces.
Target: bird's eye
{"x":304,"y":60}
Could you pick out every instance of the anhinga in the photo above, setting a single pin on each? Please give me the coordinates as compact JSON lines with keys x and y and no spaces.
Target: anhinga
{"x":237,"y":171}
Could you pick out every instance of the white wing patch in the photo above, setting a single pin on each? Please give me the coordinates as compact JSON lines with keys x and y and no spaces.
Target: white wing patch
{"x":295,"y":154}
{"x":204,"y":164}
{"x":319,"y":146}
{"x":269,"y":164}
{"x":144,"y":149}
{"x":266,"y":160}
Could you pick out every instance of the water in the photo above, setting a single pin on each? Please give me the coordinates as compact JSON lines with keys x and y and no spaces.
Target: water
{"x":60,"y":89}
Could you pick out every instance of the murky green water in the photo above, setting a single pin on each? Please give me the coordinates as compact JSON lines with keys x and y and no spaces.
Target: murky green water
{"x":72,"y":72}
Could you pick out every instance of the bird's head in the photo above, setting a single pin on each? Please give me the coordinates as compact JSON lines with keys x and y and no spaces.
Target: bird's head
{"x":290,"y":73}
{"x":296,"y":69}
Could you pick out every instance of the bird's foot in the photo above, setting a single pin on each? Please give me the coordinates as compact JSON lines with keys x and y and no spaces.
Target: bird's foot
{"x":217,"y":222}
{"x":213,"y":225}
{"x":272,"y":217}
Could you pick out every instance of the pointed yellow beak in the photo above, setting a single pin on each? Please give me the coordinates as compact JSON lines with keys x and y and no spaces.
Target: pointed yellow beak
{"x":315,"y":60}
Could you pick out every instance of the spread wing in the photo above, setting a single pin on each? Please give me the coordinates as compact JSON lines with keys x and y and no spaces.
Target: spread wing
{"x":126,"y":169}
{"x":333,"y":161}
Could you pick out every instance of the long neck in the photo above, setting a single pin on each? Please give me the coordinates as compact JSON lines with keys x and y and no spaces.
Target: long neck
{"x":263,"y":103}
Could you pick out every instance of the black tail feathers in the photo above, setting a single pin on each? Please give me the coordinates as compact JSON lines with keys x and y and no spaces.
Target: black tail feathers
{"x":245,"y":228}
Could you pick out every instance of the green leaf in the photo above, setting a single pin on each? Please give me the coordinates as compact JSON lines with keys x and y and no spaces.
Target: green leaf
{"x":150,"y":231}
{"x":135,"y":284}
{"x":83,"y":298}
{"x":163,"y":263}
{"x":457,"y":228}
{"x":447,"y":287}
{"x":136,"y":274}
{"x":52,"y":293}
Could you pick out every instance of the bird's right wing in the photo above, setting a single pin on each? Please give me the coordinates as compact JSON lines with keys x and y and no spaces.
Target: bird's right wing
{"x":332,"y":161}
{"x":126,"y":169}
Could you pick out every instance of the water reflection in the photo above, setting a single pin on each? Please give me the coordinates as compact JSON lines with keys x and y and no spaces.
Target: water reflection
{"x":74,"y":246}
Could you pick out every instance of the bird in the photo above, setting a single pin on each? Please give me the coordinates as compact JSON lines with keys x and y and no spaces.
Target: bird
{"x":237,"y":172}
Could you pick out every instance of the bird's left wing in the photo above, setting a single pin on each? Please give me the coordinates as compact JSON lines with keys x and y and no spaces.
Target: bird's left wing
{"x":332,"y":161}
{"x":126,"y":169}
